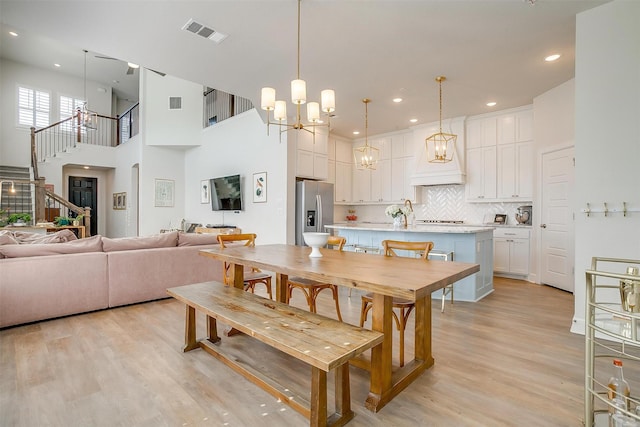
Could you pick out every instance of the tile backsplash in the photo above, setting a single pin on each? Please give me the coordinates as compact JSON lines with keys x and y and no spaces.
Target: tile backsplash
{"x":439,"y":202}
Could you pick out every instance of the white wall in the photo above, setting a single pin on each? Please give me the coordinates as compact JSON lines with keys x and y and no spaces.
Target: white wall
{"x":240,"y":145}
{"x":14,"y":140}
{"x":607,"y":136}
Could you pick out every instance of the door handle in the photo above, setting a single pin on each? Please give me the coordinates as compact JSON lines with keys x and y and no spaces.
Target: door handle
{"x":543,"y":225}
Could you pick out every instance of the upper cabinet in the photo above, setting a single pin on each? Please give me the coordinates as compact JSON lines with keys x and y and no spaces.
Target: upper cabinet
{"x":312,"y":160}
{"x":500,"y":157}
{"x":343,"y":177}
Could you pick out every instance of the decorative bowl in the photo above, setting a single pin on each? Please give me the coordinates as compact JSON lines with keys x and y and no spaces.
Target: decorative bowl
{"x":316,"y":241}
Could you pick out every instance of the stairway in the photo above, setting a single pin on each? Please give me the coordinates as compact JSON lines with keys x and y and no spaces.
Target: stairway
{"x":21,"y":201}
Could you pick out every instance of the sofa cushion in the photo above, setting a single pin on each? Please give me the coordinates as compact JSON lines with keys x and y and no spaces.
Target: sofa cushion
{"x":164,"y":240}
{"x":193,"y":239}
{"x":7,"y":238}
{"x":90,"y":244}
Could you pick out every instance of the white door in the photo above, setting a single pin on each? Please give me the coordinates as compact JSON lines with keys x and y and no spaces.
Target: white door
{"x":556,"y":233}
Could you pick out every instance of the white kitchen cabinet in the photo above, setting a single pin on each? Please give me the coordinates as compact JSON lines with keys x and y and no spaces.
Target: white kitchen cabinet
{"x":361,"y":185}
{"x":511,"y":251}
{"x":481,"y":132}
{"x":481,"y":174}
{"x":343,"y":179}
{"x":311,"y":157}
{"x":401,"y":189}
{"x":515,"y":171}
{"x":515,"y":127}
{"x":381,"y":182}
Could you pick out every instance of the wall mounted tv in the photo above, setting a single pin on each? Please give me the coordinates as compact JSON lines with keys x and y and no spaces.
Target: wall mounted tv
{"x":226,"y":193}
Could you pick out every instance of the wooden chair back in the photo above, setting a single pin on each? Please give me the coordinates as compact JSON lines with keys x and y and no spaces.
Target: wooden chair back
{"x":249,"y":239}
{"x":338,"y":241}
{"x":422,"y":248}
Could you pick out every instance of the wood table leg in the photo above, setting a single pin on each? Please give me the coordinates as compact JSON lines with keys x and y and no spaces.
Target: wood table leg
{"x":282,"y":281}
{"x":190,"y":330}
{"x":318,"y":397}
{"x":237,"y":278}
{"x":423,"y":349}
{"x":212,"y":330}
{"x":381,"y":354}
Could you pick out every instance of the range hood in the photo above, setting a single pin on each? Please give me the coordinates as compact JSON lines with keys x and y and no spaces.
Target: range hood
{"x":426,"y":173}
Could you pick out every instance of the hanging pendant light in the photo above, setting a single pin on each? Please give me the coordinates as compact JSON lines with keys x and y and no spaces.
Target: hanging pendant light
{"x":366,"y":156}
{"x":86,"y":118}
{"x":269,"y":103}
{"x":441,"y":146}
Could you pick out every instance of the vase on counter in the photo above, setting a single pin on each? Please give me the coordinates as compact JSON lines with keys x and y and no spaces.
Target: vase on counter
{"x":398,"y":222}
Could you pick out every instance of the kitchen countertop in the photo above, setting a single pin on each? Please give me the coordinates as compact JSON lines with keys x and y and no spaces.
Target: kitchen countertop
{"x":418,"y":228}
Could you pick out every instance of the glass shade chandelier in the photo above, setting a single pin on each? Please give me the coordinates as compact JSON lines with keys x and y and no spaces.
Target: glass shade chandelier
{"x":86,"y":118}
{"x":269,"y":103}
{"x":366,"y":156}
{"x":441,"y":146}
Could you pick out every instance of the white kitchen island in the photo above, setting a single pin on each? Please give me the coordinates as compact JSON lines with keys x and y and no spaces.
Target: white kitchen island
{"x":468,"y":243}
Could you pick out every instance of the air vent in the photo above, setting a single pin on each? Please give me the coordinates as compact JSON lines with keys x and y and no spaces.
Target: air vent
{"x":175,"y":103}
{"x":204,"y":31}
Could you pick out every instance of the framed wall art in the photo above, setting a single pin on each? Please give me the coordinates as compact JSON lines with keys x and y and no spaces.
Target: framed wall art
{"x":260,"y":187}
{"x":165,"y":192}
{"x":205,"y":191}
{"x":120,"y":201}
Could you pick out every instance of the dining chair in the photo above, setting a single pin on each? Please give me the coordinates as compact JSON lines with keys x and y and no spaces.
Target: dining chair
{"x":252,"y":276}
{"x":405,"y":307}
{"x":311,"y":288}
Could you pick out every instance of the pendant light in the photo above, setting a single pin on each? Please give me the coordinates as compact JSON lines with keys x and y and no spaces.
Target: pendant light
{"x":366,"y":156}
{"x":87,"y":119}
{"x":441,"y":146}
{"x":269,"y":103}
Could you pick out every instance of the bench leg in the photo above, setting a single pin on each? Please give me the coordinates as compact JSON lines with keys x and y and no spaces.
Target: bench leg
{"x":318,"y":397}
{"x":212,"y":330}
{"x":343,"y":397}
{"x":190,"y":342}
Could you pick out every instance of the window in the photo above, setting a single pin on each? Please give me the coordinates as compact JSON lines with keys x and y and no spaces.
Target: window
{"x":33,"y":107}
{"x":68,"y":107}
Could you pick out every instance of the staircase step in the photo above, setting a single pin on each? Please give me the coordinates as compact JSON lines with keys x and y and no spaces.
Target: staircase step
{"x":14,"y":172}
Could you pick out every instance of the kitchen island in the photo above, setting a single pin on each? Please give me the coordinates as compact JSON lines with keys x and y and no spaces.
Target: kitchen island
{"x":473,"y":244}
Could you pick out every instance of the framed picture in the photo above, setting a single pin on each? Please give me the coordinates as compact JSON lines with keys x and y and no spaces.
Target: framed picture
{"x":115,"y":200}
{"x":205,"y":191}
{"x":120,"y":201}
{"x":500,"y":219}
{"x":260,"y":187}
{"x":164,"y":192}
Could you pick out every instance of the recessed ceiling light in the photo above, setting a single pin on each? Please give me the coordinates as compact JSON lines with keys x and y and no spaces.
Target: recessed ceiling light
{"x":86,"y":167}
{"x":116,"y":81}
{"x":396,"y":100}
{"x":132,"y":65}
{"x":13,"y":33}
{"x":491,"y":104}
{"x":356,"y":132}
{"x":552,"y":58}
{"x":413,"y":120}
{"x":56,"y":65}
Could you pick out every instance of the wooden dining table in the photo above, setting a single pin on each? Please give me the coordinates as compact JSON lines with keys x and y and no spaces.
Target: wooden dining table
{"x":385,"y":277}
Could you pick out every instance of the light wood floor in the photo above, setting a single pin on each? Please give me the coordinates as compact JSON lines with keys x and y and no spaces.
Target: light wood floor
{"x":506,"y":360}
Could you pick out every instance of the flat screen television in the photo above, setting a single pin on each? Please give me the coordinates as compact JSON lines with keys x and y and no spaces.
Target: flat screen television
{"x":226,"y":193}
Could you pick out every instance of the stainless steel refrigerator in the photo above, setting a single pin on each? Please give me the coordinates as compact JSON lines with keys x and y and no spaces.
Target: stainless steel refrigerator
{"x":314,"y":207}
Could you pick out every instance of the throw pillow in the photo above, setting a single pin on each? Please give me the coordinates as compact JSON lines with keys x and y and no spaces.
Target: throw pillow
{"x":193,"y":239}
{"x":163,"y":240}
{"x":90,"y":244}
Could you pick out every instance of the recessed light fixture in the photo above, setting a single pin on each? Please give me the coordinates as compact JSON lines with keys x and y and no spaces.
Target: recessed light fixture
{"x":132,"y":65}
{"x":85,"y":167}
{"x":491,"y":104}
{"x":396,"y":100}
{"x":413,"y":120}
{"x":552,"y":58}
{"x":56,"y":65}
{"x":116,"y":81}
{"x":356,"y":132}
{"x":13,"y":33}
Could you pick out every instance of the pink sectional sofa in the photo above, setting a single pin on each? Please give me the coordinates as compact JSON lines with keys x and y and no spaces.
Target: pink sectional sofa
{"x":43,"y":281}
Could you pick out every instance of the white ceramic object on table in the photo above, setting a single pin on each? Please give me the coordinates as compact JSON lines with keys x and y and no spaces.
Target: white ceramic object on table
{"x":316,"y":241}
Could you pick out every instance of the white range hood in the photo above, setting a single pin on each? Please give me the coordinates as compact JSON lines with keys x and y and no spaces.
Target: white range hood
{"x":453,"y":172}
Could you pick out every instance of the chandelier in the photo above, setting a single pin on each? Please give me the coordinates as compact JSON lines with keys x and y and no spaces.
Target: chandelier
{"x":441,"y":146}
{"x":366,"y":156}
{"x":86,"y":118}
{"x":269,"y":103}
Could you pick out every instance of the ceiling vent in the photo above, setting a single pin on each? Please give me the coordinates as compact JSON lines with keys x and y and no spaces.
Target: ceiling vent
{"x":204,"y":31}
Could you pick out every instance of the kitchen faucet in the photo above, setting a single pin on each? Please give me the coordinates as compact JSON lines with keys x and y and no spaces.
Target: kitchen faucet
{"x":410,"y":207}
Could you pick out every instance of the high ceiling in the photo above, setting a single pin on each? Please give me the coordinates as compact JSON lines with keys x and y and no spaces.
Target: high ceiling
{"x":489,"y":50}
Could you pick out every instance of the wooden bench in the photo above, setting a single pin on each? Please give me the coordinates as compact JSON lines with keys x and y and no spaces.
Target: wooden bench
{"x":323,"y":343}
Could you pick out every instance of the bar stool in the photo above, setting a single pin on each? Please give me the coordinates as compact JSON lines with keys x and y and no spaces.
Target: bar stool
{"x":311,"y":288}
{"x":445,"y":256}
{"x":252,"y":276}
{"x":405,"y":307}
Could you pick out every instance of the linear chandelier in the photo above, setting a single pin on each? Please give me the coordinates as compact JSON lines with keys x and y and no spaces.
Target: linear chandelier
{"x":366,"y":156}
{"x":441,"y":146}
{"x":269,"y":103}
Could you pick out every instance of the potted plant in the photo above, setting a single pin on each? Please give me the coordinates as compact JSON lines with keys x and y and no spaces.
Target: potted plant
{"x":19,"y":219}
{"x":78,"y":220}
{"x":63,"y":220}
